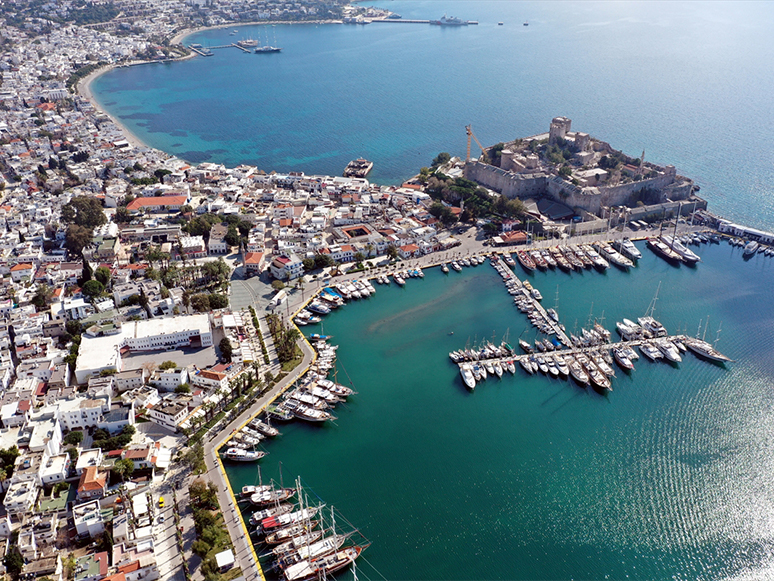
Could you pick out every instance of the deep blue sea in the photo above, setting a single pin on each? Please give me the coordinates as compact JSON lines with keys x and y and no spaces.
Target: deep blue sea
{"x":689,"y":83}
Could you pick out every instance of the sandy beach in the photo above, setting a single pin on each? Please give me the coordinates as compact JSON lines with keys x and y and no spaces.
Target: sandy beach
{"x":84,"y":90}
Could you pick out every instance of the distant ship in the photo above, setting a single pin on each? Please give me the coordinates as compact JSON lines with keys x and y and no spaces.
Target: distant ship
{"x":263,"y":49}
{"x":248,"y":43}
{"x":449,"y":21}
{"x":526,"y":23}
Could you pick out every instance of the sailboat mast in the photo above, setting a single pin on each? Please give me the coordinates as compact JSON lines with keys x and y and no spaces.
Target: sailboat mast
{"x":704,"y":335}
{"x":674,"y":234}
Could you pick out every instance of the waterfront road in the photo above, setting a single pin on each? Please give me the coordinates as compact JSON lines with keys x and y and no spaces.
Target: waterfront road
{"x":243,"y":550}
{"x":472,"y":242}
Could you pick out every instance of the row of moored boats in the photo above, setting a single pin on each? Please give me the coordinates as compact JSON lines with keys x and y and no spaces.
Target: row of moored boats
{"x":242,"y":446}
{"x":599,"y":255}
{"x":315,"y":396}
{"x":752,"y":247}
{"x":302,"y":540}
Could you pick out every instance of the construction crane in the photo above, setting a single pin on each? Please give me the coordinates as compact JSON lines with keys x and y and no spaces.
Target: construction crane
{"x":469,"y":131}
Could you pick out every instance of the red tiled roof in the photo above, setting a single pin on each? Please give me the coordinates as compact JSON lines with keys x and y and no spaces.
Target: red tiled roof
{"x":133,"y":566}
{"x":136,"y":454}
{"x":253,"y":257}
{"x":138,"y":203}
{"x":91,"y":479}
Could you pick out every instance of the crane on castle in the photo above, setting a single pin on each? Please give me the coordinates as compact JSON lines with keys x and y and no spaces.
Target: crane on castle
{"x":469,"y":131}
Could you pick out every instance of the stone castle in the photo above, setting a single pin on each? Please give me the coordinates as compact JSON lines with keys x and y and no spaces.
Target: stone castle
{"x":527,"y":170}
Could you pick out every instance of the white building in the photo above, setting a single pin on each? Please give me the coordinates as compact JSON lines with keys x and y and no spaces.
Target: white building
{"x":168,"y":413}
{"x":88,"y":519}
{"x":169,"y":379}
{"x":98,"y":353}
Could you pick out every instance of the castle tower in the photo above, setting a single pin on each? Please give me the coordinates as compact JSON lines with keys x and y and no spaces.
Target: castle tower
{"x":560,"y":127}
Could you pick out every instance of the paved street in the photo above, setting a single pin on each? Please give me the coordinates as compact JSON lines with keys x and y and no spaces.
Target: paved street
{"x":168,"y":558}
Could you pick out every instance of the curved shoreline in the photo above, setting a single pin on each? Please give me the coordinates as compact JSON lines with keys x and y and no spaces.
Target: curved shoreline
{"x":182,"y":35}
{"x":83,"y":87}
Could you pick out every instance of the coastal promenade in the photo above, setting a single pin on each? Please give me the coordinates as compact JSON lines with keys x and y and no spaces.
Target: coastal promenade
{"x":470,"y":245}
{"x":244,"y":552}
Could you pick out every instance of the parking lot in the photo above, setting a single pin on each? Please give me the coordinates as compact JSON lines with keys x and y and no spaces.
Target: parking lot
{"x":184,"y":357}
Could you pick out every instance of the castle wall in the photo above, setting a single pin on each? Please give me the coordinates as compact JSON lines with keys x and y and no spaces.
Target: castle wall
{"x":509,"y":184}
{"x":514,"y":185}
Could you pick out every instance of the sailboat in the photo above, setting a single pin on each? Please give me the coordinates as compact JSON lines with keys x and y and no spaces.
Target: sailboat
{"x":648,"y":323}
{"x":266,"y":48}
{"x":703,"y":349}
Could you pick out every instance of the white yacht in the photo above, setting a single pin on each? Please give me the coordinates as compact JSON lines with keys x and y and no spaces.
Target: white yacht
{"x":668,"y":349}
{"x":466,"y":370}
{"x":751,"y":248}
{"x":628,"y":248}
{"x":688,"y":255}
{"x":651,"y":351}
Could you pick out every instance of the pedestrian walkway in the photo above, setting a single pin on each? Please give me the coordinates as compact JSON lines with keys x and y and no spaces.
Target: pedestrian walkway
{"x":240,"y":537}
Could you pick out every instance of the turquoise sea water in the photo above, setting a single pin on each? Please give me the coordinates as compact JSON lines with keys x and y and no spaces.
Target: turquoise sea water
{"x":667,"y":477}
{"x":688,"y":82}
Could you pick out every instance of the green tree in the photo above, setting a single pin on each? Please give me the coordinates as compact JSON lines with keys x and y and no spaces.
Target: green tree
{"x":123,"y":468}
{"x":309,"y":264}
{"x":323,"y":260}
{"x":76,"y":238}
{"x":93,"y":288}
{"x":73,"y":328}
{"x":73,"y":438}
{"x":232,"y":237}
{"x":8,"y":459}
{"x":225,"y":349}
{"x":183,"y":388}
{"x":122,"y":215}
{"x":359,"y":257}
{"x":194,"y":458}
{"x":102,"y":274}
{"x":167,"y":365}
{"x":14,"y":562}
{"x":42,"y":295}
{"x":86,"y":273}
{"x":392,"y":252}
{"x":440,"y":159}
{"x":277,"y":285}
{"x":84,"y":211}
{"x":200,"y":302}
{"x":218,"y":301}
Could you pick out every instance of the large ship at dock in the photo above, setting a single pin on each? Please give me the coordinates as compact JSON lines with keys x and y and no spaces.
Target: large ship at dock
{"x":449,"y":21}
{"x":358,"y":168}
